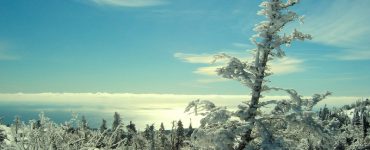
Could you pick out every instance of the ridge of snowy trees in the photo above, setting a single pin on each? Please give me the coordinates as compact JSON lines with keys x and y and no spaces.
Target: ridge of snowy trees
{"x":341,"y":128}
{"x":75,"y":134}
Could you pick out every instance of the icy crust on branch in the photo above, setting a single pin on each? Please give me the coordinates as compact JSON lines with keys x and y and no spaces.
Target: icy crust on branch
{"x":213,"y":114}
{"x":296,"y":104}
{"x":237,"y":70}
{"x":277,"y":19}
{"x":203,"y":106}
{"x":299,"y":103}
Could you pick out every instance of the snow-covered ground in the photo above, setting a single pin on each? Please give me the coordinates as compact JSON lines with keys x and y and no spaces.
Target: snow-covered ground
{"x":6,"y":130}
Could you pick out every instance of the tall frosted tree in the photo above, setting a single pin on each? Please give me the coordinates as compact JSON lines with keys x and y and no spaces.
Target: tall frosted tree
{"x":268,"y":41}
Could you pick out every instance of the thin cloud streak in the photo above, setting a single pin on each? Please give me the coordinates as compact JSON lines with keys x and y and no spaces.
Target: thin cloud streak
{"x":195,"y":58}
{"x":211,"y":70}
{"x":353,"y":55}
{"x":282,"y":66}
{"x":126,"y":99}
{"x":338,"y":24}
{"x":130,"y":3}
{"x":287,"y":65}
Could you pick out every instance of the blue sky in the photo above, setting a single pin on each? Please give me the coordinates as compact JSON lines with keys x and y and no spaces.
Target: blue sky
{"x":165,"y":46}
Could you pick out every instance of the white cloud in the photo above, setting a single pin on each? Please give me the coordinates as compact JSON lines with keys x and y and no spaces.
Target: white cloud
{"x":287,"y":65}
{"x":341,"y":23}
{"x":130,"y":3}
{"x":195,"y":58}
{"x":282,"y":66}
{"x":207,"y":58}
{"x":210,"y":70}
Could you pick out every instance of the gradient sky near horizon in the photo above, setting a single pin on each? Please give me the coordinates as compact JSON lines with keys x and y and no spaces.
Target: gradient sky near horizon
{"x":165,"y":46}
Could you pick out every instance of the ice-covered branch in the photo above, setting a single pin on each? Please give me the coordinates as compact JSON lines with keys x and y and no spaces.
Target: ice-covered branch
{"x":237,"y":70}
{"x":200,"y":105}
{"x":211,"y":113}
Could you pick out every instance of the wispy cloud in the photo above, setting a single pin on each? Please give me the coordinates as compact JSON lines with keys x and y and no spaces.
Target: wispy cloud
{"x":130,"y":3}
{"x":4,"y":55}
{"x":7,"y":57}
{"x":360,"y":54}
{"x":195,"y":58}
{"x":285,"y":65}
{"x":341,"y":23}
{"x":210,"y":70}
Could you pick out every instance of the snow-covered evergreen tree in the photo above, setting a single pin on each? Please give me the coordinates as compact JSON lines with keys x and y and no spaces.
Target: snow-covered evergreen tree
{"x":131,"y":132}
{"x":149,"y":135}
{"x":180,"y":134}
{"x":356,"y":120}
{"x":190,"y":130}
{"x":117,"y":129}
{"x":103,"y":126}
{"x":249,"y":127}
{"x":116,"y":121}
{"x":268,"y":41}
{"x":162,"y":136}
